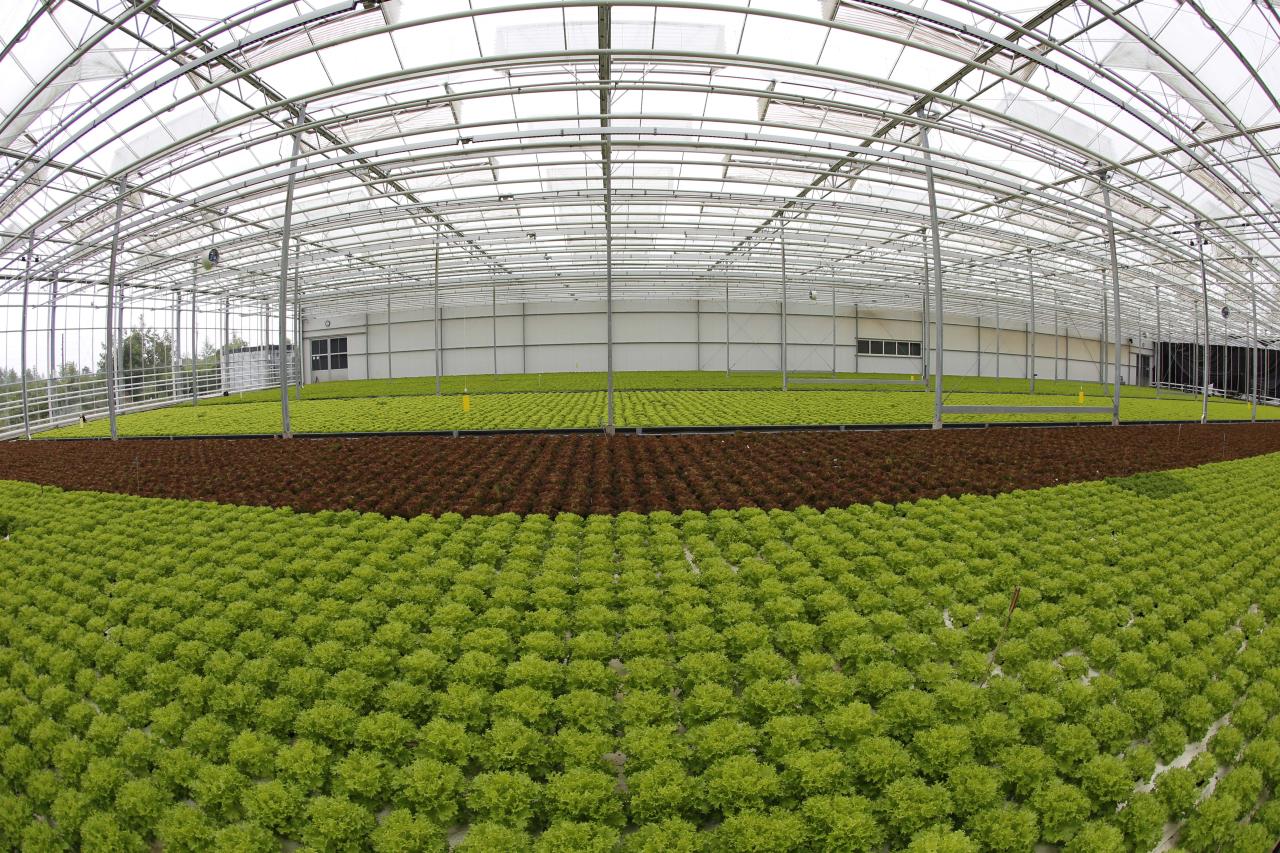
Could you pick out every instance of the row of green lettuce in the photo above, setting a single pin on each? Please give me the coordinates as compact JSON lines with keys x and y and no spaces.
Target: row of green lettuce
{"x":674,"y":380}
{"x":193,"y":677}
{"x":587,"y":410}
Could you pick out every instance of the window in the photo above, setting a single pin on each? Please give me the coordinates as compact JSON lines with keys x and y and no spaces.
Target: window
{"x":320,"y":355}
{"x":337,"y":353}
{"x":894,"y":348}
{"x":329,"y":354}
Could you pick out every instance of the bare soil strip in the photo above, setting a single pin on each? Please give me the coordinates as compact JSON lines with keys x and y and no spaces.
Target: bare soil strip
{"x":412,"y":475}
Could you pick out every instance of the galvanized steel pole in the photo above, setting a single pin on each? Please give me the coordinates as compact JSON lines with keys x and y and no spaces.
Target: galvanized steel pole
{"x":1031,"y":342}
{"x":1204,"y":292}
{"x":26,"y":298}
{"x":937,"y":277}
{"x":111,"y":290}
{"x":195,"y":385}
{"x":435,"y":317}
{"x":1253,"y":349}
{"x":727,"y":363}
{"x":1115,"y":298}
{"x":1157,"y":351}
{"x":924,"y":312}
{"x":782,"y":244}
{"x":298,"y":355}
{"x":286,"y":429}
{"x":51,"y":382}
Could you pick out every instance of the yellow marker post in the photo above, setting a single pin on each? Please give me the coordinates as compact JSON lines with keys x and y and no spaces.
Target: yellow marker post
{"x":466,"y":402}
{"x":1081,"y":397}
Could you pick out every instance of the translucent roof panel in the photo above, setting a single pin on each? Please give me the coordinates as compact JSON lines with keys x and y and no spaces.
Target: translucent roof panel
{"x":520,"y":146}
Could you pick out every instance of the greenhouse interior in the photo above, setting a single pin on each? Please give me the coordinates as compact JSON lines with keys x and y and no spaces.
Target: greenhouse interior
{"x":740,"y":426}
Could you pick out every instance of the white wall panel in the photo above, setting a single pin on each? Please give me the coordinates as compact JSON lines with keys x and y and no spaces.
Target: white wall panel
{"x":680,"y":335}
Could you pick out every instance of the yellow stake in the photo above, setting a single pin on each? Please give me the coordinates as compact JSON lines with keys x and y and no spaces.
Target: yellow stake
{"x":1081,"y":398}
{"x":466,"y":402}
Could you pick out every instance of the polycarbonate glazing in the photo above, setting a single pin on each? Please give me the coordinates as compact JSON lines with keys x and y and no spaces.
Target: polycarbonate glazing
{"x":487,"y":129}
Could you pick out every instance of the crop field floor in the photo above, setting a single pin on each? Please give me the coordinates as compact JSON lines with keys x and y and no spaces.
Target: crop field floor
{"x":1091,"y":667}
{"x":586,"y":473}
{"x":575,"y":401}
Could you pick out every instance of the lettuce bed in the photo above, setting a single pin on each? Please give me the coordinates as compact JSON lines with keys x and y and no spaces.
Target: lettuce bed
{"x":663,"y":380}
{"x":205,"y":677}
{"x":559,"y":410}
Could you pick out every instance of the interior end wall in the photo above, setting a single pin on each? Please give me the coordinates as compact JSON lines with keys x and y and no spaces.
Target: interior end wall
{"x":683,"y":335}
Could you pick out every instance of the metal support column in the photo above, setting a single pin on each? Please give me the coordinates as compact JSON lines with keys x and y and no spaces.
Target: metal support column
{"x":1253,"y":349}
{"x":1204,"y":292}
{"x":1031,"y":338}
{"x":697,"y":334}
{"x":782,"y":245}
{"x":51,"y":383}
{"x":604,"y":40}
{"x":435,"y":317}
{"x":856,"y":340}
{"x":195,"y":386}
{"x":389,"y":374}
{"x":226,"y":343}
{"x":1103,"y":335}
{"x":728,"y":365}
{"x":493,"y":316}
{"x":299,"y":365}
{"x":937,"y":276}
{"x":26,"y":299}
{"x":924,"y":311}
{"x":1115,"y":298}
{"x":111,"y":303}
{"x":1157,"y":354}
{"x":1056,"y":335}
{"x":833,"y":330}
{"x":998,"y":330}
{"x":286,"y":429}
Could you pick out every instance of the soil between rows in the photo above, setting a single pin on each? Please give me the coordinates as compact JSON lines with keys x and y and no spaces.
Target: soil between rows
{"x":412,"y":475}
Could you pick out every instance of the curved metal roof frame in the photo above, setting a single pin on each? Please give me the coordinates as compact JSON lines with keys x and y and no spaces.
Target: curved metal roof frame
{"x":525,"y":173}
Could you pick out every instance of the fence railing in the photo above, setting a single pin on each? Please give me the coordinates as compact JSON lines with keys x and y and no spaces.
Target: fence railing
{"x":67,"y":400}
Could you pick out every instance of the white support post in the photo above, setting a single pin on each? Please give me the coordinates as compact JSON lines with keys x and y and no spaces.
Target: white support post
{"x":111,"y":292}
{"x":389,"y":376}
{"x":1056,"y":331}
{"x":782,"y":245}
{"x":857,"y":341}
{"x":195,"y":387}
{"x":999,"y":330}
{"x":226,"y":343}
{"x":1156,"y":351}
{"x":493,"y":302}
{"x":697,"y":334}
{"x":728,"y":365}
{"x":1115,"y":298}
{"x":833,"y":330}
{"x":1103,"y":336}
{"x":1253,"y":349}
{"x":435,"y":315}
{"x":1204,"y":292}
{"x":26,"y":299}
{"x":286,"y":429}
{"x":939,"y":372}
{"x":51,"y":382}
{"x":298,"y":354}
{"x":1031,"y":342}
{"x":924,"y":311}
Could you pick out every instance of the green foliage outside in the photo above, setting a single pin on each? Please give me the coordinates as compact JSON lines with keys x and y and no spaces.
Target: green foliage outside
{"x":723,"y":681}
